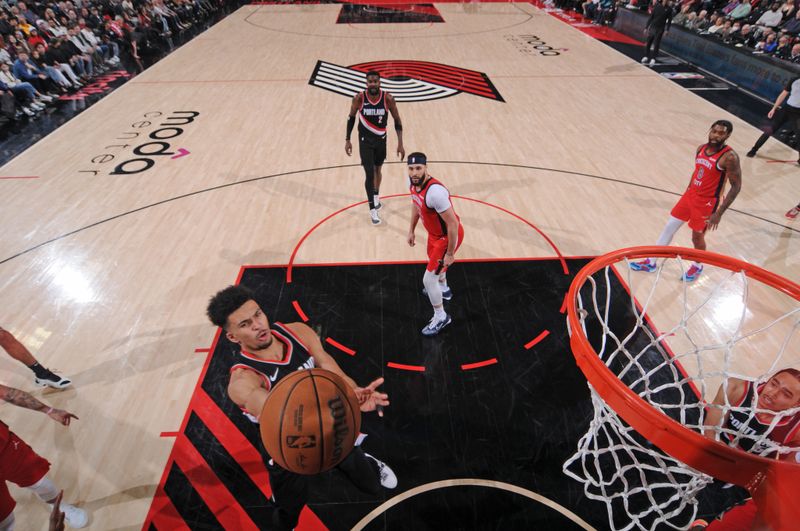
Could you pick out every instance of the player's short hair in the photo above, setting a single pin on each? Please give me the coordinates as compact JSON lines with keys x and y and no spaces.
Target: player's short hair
{"x":373,"y":73}
{"x":724,"y":123}
{"x":790,"y":370}
{"x":225,"y":302}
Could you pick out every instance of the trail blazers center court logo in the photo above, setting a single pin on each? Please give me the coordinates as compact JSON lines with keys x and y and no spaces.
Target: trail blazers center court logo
{"x":405,"y":80}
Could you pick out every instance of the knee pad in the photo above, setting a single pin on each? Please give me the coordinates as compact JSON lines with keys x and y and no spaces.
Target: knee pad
{"x":44,"y":489}
{"x":431,"y":282}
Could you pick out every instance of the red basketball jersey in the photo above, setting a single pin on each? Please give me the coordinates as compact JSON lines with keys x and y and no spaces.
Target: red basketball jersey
{"x":431,"y":219}
{"x":708,"y":179}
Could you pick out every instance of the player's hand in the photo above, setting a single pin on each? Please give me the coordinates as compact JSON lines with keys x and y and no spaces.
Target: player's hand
{"x":448,"y":260}
{"x":771,"y":113}
{"x":401,"y":151}
{"x":370,"y":399}
{"x":348,"y":147}
{"x":61,"y":416}
{"x":713,"y":220}
{"x":411,"y":239}
{"x":56,"y":516}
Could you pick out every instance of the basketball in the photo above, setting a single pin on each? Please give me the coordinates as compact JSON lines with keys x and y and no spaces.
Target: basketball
{"x":310,"y":421}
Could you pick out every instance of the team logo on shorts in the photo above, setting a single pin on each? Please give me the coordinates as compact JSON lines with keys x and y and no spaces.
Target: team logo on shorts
{"x":405,"y":80}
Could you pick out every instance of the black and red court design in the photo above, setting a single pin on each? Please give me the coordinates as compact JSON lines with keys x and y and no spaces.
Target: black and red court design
{"x":495,"y":403}
{"x":406,"y":80}
{"x":366,"y":13}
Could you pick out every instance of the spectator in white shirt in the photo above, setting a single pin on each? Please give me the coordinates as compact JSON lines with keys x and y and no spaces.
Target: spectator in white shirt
{"x":770,"y":18}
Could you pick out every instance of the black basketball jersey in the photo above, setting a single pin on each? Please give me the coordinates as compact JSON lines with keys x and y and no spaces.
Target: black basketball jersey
{"x":740,"y":421}
{"x":295,"y":358}
{"x":372,"y":117}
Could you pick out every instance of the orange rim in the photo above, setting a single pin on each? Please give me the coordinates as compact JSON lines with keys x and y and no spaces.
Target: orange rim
{"x":768,"y":480}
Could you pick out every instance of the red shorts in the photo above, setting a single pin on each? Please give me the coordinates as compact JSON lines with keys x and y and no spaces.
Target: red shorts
{"x":695,"y":209}
{"x":21,"y":465}
{"x":438,"y":246}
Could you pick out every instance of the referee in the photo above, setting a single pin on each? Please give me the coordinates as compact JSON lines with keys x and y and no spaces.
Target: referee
{"x":780,"y":115}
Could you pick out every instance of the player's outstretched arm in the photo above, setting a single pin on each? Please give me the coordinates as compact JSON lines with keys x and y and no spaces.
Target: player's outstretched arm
{"x":22,"y":399}
{"x":322,"y":359}
{"x":733,"y":171}
{"x":369,"y":398}
{"x":247,"y":391}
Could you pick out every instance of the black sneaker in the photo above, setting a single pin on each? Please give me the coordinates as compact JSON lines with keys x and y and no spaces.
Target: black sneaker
{"x":51,"y":379}
{"x":750,"y":154}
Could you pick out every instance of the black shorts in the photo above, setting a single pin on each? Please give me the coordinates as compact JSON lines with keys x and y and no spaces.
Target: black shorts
{"x":372,"y":150}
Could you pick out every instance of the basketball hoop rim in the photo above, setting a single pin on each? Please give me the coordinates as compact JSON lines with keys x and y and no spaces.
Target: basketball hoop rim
{"x":711,"y":457}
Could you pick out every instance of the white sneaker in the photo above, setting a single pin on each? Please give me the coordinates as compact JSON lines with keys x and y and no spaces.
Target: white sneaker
{"x":45,"y":98}
{"x":376,"y":219}
{"x":645,"y":59}
{"x":36,"y":106}
{"x":388,"y":478}
{"x":28,"y":111}
{"x":436,"y":325}
{"x":652,"y":62}
{"x":74,"y":517}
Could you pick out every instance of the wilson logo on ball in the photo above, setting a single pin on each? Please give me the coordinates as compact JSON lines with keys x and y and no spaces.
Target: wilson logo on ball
{"x":340,"y":429}
{"x":405,"y":80}
{"x":301,"y":441}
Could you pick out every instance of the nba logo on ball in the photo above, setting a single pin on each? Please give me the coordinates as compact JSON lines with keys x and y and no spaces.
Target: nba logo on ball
{"x":310,"y":421}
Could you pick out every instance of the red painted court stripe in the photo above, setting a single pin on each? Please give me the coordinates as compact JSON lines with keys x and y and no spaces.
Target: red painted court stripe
{"x":483,"y":363}
{"x":768,"y":162}
{"x":417,"y":368}
{"x":226,"y":432}
{"x":529,"y":345}
{"x":20,"y":177}
{"x":300,"y":311}
{"x":218,"y":499}
{"x":564,"y":304}
{"x":169,"y":434}
{"x":164,"y":515}
{"x":340,"y":346}
{"x":202,"y":350}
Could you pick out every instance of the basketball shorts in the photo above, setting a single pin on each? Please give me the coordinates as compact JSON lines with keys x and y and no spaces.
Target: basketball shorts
{"x":372,"y":150}
{"x":21,"y":465}
{"x":695,"y":210}
{"x":437,"y":247}
{"x":740,"y":518}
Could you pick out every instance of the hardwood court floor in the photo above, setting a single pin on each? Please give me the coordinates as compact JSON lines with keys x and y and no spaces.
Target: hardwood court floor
{"x":105,"y":275}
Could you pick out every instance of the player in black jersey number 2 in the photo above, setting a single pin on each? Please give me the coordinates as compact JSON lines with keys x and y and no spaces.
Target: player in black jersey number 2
{"x":371,"y":106}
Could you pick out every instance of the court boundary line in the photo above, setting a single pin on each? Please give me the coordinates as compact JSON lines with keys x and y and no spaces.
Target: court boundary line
{"x":340,"y":166}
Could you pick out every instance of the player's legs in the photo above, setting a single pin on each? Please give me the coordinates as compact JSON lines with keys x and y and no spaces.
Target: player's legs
{"x":778,"y":120}
{"x":379,"y":158}
{"x":665,"y":238}
{"x":289,"y":493}
{"x":21,"y":465}
{"x":19,"y":352}
{"x":367,"y":151}
{"x":436,"y":249}
{"x":366,"y":472}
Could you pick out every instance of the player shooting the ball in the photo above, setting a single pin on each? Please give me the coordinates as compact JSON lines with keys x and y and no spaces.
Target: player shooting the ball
{"x":267,"y":354}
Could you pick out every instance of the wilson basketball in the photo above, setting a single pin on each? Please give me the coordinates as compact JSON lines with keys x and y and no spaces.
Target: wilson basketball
{"x":310,"y":421}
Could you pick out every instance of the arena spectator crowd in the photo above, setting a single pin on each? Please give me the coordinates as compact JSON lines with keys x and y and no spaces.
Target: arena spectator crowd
{"x":52,"y":48}
{"x":764,"y":27}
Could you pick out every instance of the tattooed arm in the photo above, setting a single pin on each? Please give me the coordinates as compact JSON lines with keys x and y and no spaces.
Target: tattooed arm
{"x":22,"y":399}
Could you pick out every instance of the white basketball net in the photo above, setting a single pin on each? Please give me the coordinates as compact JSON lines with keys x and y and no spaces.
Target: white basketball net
{"x":708,"y":331}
